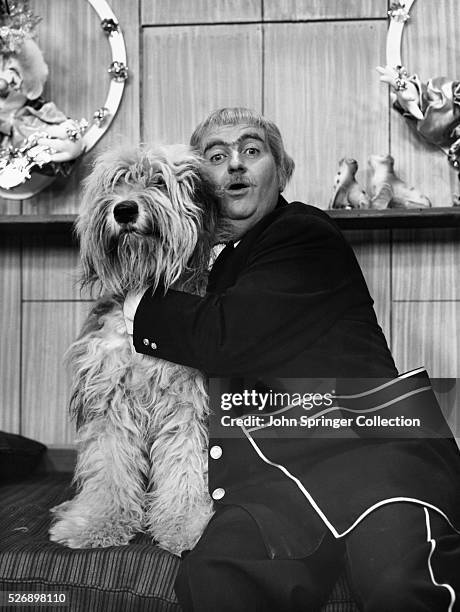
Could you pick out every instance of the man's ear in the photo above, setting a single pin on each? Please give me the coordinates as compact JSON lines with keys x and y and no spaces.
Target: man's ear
{"x":281,"y":180}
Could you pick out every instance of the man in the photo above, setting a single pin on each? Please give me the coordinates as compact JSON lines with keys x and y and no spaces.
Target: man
{"x":286,"y":302}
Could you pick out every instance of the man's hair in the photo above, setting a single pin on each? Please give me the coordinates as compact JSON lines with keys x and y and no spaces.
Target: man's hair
{"x":240,"y":115}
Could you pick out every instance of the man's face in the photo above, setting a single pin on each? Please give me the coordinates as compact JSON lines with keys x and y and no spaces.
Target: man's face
{"x":240,"y":164}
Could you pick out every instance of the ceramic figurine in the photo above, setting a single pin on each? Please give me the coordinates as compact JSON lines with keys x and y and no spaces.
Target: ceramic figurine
{"x":347,"y":193}
{"x":388,"y":190}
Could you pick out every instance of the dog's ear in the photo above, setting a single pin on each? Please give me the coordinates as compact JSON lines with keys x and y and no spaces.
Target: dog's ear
{"x":205,"y":197}
{"x":215,"y":227}
{"x":204,"y":191}
{"x":88,"y":275}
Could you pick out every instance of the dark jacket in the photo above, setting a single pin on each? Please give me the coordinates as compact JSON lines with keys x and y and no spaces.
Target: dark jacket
{"x":290,"y":302}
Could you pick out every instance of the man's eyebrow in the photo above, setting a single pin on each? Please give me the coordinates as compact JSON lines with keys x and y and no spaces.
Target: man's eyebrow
{"x":217,"y":142}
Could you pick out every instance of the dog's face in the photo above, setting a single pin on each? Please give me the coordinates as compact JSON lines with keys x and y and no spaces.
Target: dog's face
{"x":144,"y":214}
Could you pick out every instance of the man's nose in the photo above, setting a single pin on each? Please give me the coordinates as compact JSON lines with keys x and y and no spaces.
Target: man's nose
{"x":236,"y":162}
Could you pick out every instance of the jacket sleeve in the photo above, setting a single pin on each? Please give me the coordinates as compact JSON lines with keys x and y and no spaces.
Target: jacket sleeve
{"x":296,"y":283}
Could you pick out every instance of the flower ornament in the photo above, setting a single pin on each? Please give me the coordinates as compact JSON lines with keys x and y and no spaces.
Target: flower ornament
{"x":17,"y":22}
{"x":405,"y":89}
{"x":118,"y":71}
{"x":109,"y":26}
{"x":100,"y":115}
{"x":398,"y":12}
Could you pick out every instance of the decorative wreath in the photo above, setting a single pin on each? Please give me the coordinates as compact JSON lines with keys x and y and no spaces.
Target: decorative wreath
{"x":32,"y":149}
{"x":431,"y":108}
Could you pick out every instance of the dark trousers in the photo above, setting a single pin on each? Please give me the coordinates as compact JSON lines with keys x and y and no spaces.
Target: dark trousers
{"x":400,"y":559}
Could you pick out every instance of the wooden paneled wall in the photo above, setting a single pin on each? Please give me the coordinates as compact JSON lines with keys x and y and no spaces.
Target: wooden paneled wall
{"x":310,"y":66}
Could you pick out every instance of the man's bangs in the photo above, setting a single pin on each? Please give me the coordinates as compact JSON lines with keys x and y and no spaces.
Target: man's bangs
{"x":223,"y":117}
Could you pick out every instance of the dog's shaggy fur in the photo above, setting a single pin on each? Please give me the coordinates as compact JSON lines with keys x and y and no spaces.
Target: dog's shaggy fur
{"x":147,"y":220}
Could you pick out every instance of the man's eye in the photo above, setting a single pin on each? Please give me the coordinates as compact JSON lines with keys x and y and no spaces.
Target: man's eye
{"x":216,"y":158}
{"x":252,"y":151}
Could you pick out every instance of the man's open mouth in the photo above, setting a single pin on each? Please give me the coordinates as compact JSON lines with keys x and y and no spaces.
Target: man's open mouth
{"x":237,"y":186}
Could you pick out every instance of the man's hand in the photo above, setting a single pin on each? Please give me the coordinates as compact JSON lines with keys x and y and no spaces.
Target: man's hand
{"x":129,"y":310}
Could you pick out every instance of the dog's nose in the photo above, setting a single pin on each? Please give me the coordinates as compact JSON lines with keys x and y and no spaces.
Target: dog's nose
{"x":126,"y":212}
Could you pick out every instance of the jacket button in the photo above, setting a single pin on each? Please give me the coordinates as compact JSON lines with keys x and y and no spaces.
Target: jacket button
{"x":153,"y":345}
{"x":145,"y":341}
{"x":216,"y":452}
{"x":218,"y":493}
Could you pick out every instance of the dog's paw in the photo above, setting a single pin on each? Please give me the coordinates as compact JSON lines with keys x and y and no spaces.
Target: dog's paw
{"x":83,"y":531}
{"x":176,"y":543}
{"x":98,"y":535}
{"x":182,"y":534}
{"x":67,"y":533}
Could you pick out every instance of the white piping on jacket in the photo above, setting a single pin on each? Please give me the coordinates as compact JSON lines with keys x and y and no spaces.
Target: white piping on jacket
{"x":322,"y":515}
{"x":430,"y":540}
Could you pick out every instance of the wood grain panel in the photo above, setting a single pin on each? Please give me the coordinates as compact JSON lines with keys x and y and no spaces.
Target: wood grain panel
{"x":10,"y":207}
{"x":432,"y":27}
{"x":447,"y":391}
{"x":10,"y":329}
{"x":189,"y":71}
{"x":281,"y":10}
{"x":78,"y":55}
{"x":373,"y":251}
{"x":199,"y":11}
{"x":322,"y":91}
{"x":427,"y":334}
{"x":50,"y":269}
{"x":426,"y":264}
{"x":49,"y":329}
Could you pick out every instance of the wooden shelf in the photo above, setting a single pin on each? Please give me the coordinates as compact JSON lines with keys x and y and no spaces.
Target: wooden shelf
{"x":388,"y":218}
{"x":11,"y":224}
{"x":347,"y":219}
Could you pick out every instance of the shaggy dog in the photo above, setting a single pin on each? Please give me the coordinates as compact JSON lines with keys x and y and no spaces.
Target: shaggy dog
{"x":147,"y":220}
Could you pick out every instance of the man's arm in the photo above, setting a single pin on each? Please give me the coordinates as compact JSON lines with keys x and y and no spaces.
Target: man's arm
{"x":297,"y":281}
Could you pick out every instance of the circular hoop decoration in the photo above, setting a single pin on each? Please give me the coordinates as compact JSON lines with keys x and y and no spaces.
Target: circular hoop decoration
{"x":432,"y":108}
{"x":103,"y":117}
{"x":20,"y":176}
